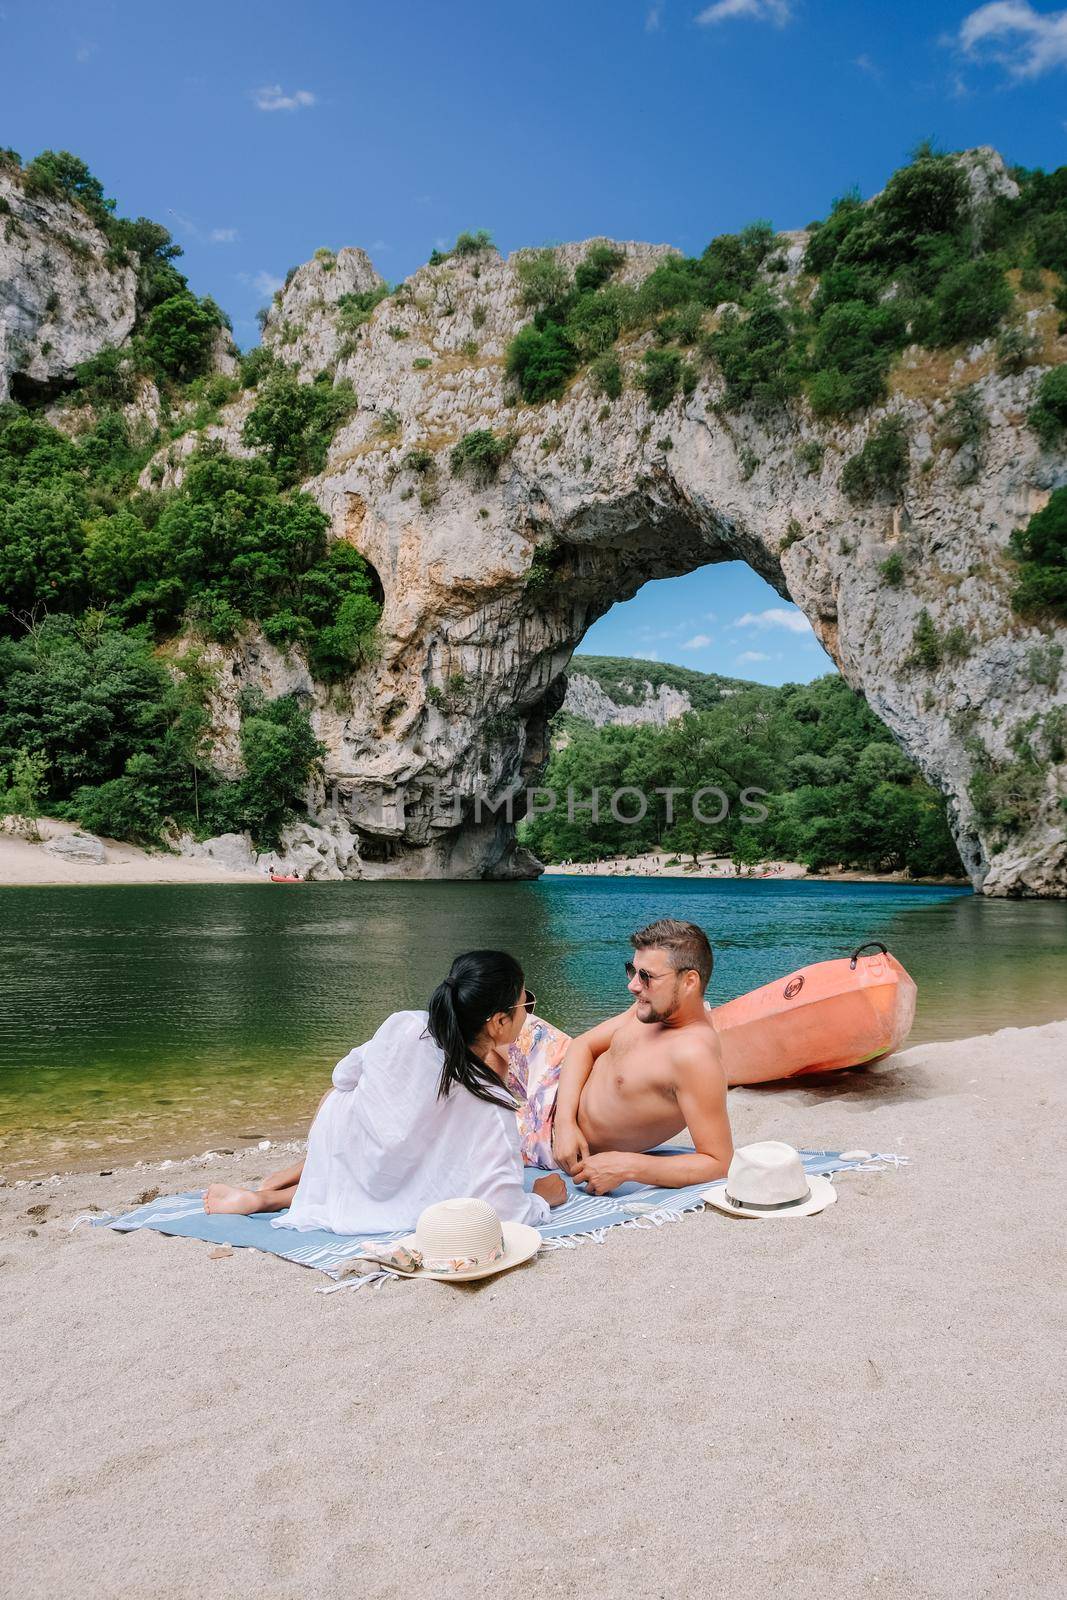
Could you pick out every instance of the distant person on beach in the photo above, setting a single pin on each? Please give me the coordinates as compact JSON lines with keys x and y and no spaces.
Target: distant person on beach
{"x":420,"y":1113}
{"x":593,"y":1105}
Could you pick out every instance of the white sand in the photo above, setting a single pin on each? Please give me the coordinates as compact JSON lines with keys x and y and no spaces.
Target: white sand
{"x":863,"y":1403}
{"x":664,"y":864}
{"x":24,"y":864}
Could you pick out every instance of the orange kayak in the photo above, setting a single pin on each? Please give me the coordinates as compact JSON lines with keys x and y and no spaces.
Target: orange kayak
{"x":821,"y":1018}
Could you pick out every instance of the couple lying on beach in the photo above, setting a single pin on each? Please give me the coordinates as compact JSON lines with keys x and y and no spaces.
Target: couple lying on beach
{"x":454,"y":1101}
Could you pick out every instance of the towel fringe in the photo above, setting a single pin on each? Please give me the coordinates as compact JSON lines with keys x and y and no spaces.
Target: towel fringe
{"x":366,"y":1280}
{"x":90,"y":1216}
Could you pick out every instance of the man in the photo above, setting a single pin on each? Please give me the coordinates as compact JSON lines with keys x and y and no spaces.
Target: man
{"x":637,"y":1079}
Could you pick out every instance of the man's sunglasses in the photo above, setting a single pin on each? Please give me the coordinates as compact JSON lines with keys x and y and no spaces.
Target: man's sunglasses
{"x":633,"y":972}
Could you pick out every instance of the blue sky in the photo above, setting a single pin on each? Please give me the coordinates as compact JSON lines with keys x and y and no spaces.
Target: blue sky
{"x":258,"y":131}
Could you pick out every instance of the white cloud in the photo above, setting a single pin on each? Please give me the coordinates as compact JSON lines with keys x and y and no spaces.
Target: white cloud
{"x":748,"y":656}
{"x":265,"y":282}
{"x":223,"y":235}
{"x":865,"y":64}
{"x":1025,"y":42}
{"x":85,"y":52}
{"x":699,"y":641}
{"x":777,"y":11}
{"x":774,"y":617}
{"x":380,"y":244}
{"x":644,"y":655}
{"x":654,"y":18}
{"x":272,"y":98}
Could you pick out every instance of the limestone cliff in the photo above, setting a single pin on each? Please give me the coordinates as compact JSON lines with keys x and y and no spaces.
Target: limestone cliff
{"x":490,"y":583}
{"x":489,"y":588}
{"x":61,"y":299}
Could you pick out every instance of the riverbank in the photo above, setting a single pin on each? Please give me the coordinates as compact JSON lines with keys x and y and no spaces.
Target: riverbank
{"x":27,"y":864}
{"x":191,"y":1424}
{"x":664,"y":864}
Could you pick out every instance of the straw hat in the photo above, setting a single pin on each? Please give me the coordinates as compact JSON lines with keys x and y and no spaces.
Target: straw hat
{"x":768,"y":1180}
{"x":458,"y":1240}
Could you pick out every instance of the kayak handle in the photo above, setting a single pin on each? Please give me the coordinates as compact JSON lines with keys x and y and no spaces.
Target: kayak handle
{"x":872,"y":944}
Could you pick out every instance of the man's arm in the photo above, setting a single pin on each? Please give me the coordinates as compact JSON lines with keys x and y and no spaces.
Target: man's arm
{"x":568,"y":1144}
{"x":700,"y":1086}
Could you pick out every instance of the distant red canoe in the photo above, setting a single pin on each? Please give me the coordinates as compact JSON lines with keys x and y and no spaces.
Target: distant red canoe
{"x":281,"y":877}
{"x":822,"y":1018}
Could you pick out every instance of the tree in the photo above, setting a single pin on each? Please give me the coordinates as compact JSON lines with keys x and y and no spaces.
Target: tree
{"x":21,"y":790}
{"x":178,"y":335}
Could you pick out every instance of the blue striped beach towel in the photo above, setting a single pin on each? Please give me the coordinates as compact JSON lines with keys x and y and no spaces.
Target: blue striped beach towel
{"x":583,"y":1219}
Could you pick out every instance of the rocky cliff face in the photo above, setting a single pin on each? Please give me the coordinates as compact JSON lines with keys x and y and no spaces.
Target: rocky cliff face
{"x":489,"y":586}
{"x":586,"y":698}
{"x":61,"y":300}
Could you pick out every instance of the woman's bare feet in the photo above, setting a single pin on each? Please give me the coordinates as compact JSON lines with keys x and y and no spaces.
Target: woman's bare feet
{"x":237,"y":1202}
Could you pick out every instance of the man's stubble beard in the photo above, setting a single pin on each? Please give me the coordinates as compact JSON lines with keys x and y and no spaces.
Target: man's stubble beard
{"x":658,"y":1016}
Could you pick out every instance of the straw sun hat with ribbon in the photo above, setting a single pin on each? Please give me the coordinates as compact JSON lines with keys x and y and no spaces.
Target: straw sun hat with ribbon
{"x":456,"y":1241}
{"x":768,"y":1180}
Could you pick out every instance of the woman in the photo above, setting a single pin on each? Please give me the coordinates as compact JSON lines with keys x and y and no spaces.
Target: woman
{"x":419,"y":1113}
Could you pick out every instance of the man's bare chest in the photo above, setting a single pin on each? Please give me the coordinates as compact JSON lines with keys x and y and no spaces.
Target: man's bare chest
{"x":636,"y":1064}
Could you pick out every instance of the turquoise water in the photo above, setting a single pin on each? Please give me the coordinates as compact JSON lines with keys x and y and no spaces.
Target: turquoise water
{"x":161,"y":1019}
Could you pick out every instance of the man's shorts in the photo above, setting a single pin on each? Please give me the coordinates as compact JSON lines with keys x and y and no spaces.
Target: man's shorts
{"x":535,"y":1060}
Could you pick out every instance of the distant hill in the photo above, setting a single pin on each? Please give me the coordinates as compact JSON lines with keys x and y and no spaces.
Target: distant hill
{"x":620,"y":691}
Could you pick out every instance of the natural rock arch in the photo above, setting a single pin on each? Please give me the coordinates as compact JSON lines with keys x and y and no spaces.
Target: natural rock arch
{"x":489,"y":586}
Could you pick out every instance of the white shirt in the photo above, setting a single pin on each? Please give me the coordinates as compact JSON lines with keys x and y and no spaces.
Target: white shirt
{"x":384,"y":1145}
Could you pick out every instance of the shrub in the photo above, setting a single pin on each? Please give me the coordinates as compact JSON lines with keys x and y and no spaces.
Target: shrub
{"x":541,"y":360}
{"x":1048,"y":414}
{"x":543,"y":281}
{"x":21,"y":791}
{"x":927,"y":650}
{"x":1016,"y":349}
{"x":1043,"y":664}
{"x":660,"y":377}
{"x":968,"y":303}
{"x":419,"y":460}
{"x":179,"y":334}
{"x":600,"y":263}
{"x":59,"y":174}
{"x":1041,"y":551}
{"x":471,"y":244}
{"x":480,"y":455}
{"x":810,"y":456}
{"x":294,"y":422}
{"x":965,"y":432}
{"x":606,"y":376}
{"x":881,"y":467}
{"x":854,"y":346}
{"x":892,"y":569}
{"x":356,"y":309}
{"x":258,"y":363}
{"x":754,"y":356}
{"x":106,"y":379}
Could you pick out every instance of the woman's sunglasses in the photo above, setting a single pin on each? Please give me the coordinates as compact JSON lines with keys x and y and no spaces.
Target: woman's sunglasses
{"x":529,"y":1000}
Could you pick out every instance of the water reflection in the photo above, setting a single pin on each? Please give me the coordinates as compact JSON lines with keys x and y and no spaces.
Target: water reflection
{"x":150,"y":1019}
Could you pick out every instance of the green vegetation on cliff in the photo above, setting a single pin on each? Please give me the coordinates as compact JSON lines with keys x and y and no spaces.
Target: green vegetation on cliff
{"x":837,"y":789}
{"x":623,"y":680}
{"x":98,"y":578}
{"x":921,"y":263}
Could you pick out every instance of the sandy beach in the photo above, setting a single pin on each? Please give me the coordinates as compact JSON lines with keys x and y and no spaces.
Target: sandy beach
{"x":861,"y":1403}
{"x":28,"y":864}
{"x":663,"y":864}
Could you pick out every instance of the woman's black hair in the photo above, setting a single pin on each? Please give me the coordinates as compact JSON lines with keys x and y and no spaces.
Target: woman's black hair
{"x":479,"y":984}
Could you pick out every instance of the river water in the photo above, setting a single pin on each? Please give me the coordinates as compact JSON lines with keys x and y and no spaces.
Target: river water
{"x":151,"y":1021}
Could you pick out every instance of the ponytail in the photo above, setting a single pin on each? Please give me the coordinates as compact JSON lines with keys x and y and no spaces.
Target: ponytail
{"x":479,"y":984}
